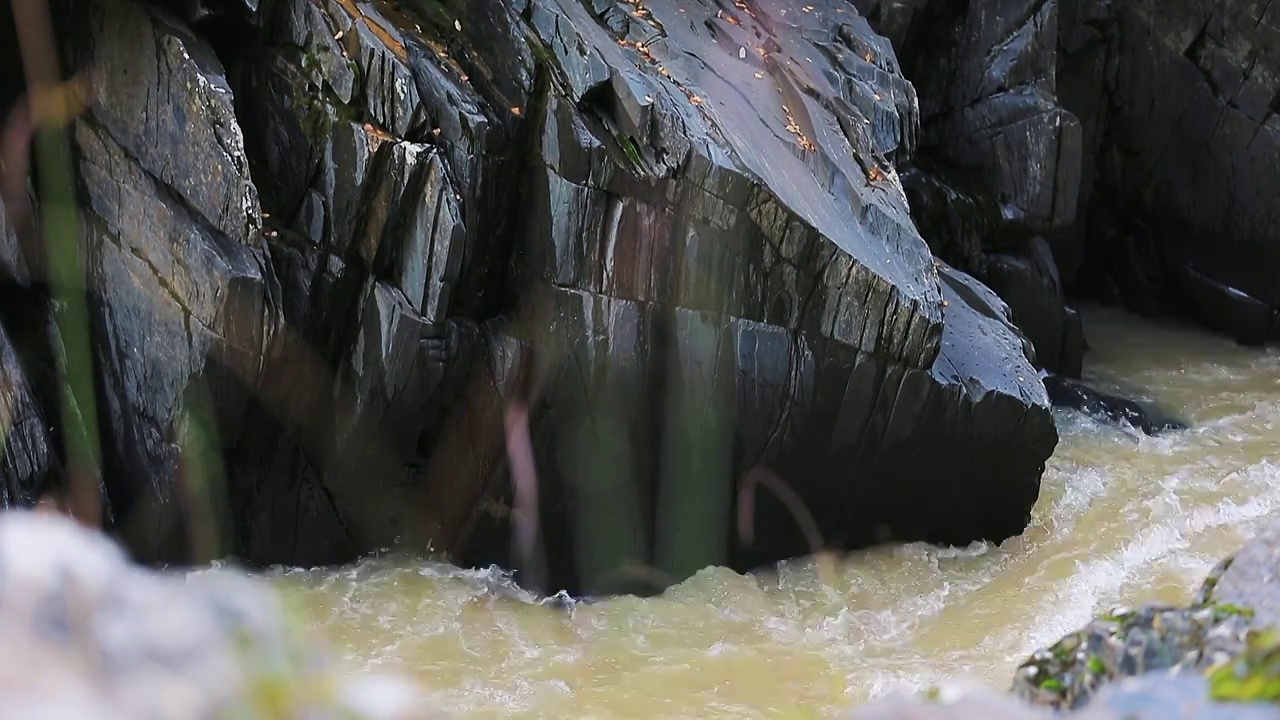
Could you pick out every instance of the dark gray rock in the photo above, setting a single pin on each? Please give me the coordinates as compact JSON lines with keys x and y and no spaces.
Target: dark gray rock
{"x":767,"y":238}
{"x":29,"y":464}
{"x":967,"y":229}
{"x":677,"y":238}
{"x":690,"y":250}
{"x":1075,"y":394}
{"x":1027,"y":278}
{"x":174,"y":254}
{"x":999,"y":158}
{"x":985,"y":74}
{"x":13,"y":262}
{"x":1177,"y":106}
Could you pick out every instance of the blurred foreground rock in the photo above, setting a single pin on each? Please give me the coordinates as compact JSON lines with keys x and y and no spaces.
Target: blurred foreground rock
{"x":1150,"y":697}
{"x":87,"y":635}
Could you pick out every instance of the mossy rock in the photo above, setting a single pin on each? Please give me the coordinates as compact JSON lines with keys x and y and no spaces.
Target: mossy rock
{"x":1254,"y":675}
{"x":1127,"y":643}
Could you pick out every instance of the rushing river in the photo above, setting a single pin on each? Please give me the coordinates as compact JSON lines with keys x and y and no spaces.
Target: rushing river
{"x":1121,"y":519}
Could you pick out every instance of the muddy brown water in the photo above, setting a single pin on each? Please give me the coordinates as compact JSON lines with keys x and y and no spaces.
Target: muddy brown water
{"x":1121,"y":519}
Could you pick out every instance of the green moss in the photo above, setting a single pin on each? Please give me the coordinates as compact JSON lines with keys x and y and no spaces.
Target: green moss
{"x":316,"y":122}
{"x":542,"y":54}
{"x":1052,"y":684}
{"x":1227,"y":609}
{"x":632,"y":150}
{"x":314,"y":117}
{"x":1252,"y":677}
{"x":1096,"y":666}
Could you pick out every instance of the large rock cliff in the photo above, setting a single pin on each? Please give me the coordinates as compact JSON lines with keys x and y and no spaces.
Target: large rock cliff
{"x":331,"y":245}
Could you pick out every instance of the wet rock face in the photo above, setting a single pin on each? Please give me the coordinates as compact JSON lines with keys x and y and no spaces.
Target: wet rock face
{"x":740,"y":160}
{"x":1177,"y":106}
{"x":335,"y":247}
{"x":173,"y":250}
{"x":29,"y":462}
{"x":998,"y":165}
{"x":88,"y":635}
{"x":985,"y":74}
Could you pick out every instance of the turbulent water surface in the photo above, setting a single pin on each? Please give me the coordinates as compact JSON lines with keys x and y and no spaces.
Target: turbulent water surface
{"x":1121,"y":519}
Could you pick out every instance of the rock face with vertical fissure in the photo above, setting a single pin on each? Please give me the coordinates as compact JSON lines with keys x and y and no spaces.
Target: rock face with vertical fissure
{"x":346,"y":240}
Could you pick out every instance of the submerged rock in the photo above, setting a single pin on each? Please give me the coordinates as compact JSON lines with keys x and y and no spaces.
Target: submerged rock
{"x":89,"y":636}
{"x":1066,"y":392}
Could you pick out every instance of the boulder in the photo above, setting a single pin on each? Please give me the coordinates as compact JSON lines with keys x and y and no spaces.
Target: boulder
{"x":1150,"y":697}
{"x":1128,"y":643}
{"x":701,"y":222}
{"x":966,"y":228}
{"x":334,"y":249}
{"x":88,"y":635}
{"x":1027,"y":278}
{"x":1247,"y":580}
